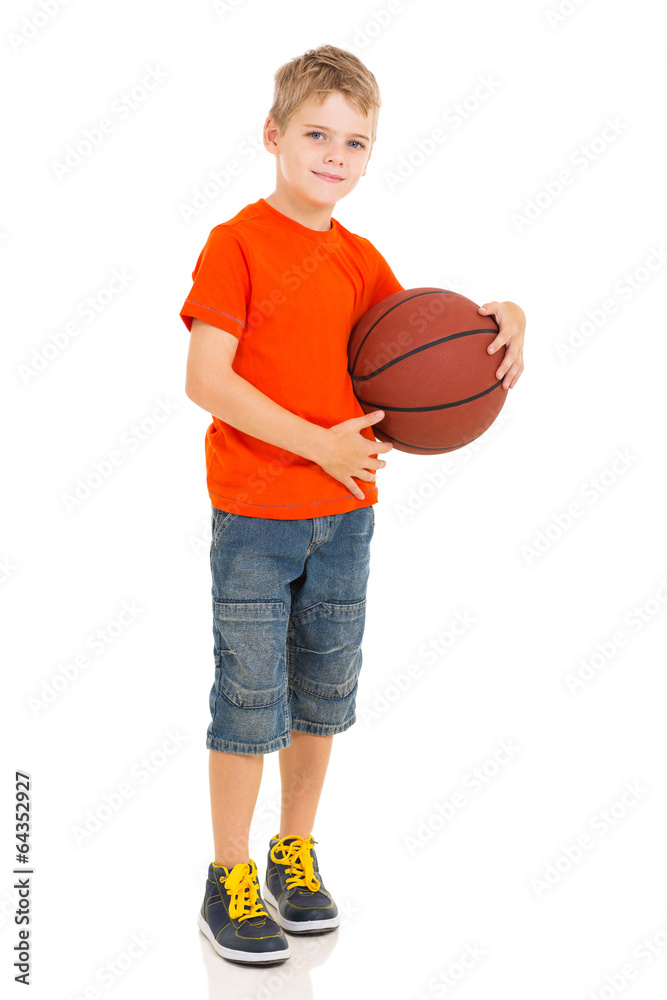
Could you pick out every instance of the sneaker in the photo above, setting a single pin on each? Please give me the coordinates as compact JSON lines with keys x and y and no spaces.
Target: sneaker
{"x":234,"y":919}
{"x":294,"y":887}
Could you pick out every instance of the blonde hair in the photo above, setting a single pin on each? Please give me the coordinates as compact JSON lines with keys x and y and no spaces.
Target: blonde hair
{"x":319,"y":72}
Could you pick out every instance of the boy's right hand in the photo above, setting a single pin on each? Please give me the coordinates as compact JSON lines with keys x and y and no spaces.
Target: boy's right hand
{"x":346,"y":452}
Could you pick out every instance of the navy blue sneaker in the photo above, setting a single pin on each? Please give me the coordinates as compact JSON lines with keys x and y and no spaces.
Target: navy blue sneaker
{"x":294,"y":887}
{"x":234,"y":919}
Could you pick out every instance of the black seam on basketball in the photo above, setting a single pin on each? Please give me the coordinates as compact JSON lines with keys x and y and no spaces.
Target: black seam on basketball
{"x":423,"y":409}
{"x":439,"y":450}
{"x":416,"y":350}
{"x":436,"y":291}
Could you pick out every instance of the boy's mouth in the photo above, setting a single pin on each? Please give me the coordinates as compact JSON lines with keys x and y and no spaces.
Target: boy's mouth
{"x":328,"y":177}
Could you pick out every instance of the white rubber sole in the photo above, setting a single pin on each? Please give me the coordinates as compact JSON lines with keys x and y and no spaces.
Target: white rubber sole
{"x":251,"y":957}
{"x":298,"y":926}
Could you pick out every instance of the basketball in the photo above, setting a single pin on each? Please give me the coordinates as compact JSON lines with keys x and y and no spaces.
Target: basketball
{"x":420,"y":355}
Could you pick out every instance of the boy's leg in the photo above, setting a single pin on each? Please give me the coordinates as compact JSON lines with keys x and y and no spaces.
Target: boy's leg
{"x":324,"y":658}
{"x":253,"y":561}
{"x":234,"y":781}
{"x":303,"y":766}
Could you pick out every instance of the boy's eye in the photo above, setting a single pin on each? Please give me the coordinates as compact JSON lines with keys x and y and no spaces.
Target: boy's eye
{"x":359,"y":144}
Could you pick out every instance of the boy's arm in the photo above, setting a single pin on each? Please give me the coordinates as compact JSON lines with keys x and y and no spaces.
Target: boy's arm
{"x":212,"y":384}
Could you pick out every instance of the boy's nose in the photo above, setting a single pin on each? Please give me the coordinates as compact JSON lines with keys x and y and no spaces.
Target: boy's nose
{"x":336,"y":156}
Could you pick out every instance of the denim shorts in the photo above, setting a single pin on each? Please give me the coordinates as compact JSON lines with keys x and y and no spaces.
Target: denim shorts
{"x":289,"y":608}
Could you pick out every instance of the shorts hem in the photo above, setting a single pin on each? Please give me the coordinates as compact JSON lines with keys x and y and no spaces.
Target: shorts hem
{"x":226,"y":746}
{"x":322,"y":728}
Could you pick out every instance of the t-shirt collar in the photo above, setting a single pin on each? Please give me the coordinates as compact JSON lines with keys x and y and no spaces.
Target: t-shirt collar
{"x":331,"y":235}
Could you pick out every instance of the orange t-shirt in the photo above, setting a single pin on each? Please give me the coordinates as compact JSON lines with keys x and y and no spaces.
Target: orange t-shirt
{"x":291,"y":295}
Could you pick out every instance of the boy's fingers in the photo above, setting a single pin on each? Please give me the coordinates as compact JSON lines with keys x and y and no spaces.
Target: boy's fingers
{"x":497,"y":343}
{"x":512,"y":375}
{"x":507,"y":364}
{"x":372,"y":418}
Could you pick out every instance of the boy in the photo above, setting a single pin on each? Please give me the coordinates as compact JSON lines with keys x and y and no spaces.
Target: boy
{"x":291,"y":464}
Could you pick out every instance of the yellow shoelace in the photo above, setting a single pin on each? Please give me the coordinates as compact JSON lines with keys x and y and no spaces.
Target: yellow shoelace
{"x":242,"y":886}
{"x":297,"y":855}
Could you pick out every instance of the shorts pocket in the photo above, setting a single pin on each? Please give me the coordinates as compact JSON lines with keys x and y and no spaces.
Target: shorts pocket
{"x":325,"y":648}
{"x":219,"y":521}
{"x":251,"y":644}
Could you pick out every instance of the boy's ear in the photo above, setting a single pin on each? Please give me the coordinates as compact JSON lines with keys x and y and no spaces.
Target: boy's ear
{"x":270,"y":133}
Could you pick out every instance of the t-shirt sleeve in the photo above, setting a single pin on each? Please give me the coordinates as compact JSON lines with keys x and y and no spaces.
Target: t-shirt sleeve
{"x":220,"y":291}
{"x":386,"y":282}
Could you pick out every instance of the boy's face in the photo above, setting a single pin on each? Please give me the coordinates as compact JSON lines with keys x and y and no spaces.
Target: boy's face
{"x":332,"y":138}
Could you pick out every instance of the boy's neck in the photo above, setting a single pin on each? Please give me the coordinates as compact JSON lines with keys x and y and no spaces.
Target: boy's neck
{"x":316,"y":217}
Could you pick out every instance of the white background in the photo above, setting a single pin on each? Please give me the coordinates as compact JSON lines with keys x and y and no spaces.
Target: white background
{"x":491,"y":541}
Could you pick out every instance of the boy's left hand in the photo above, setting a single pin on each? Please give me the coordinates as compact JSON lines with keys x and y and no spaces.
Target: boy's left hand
{"x":511,"y":321}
